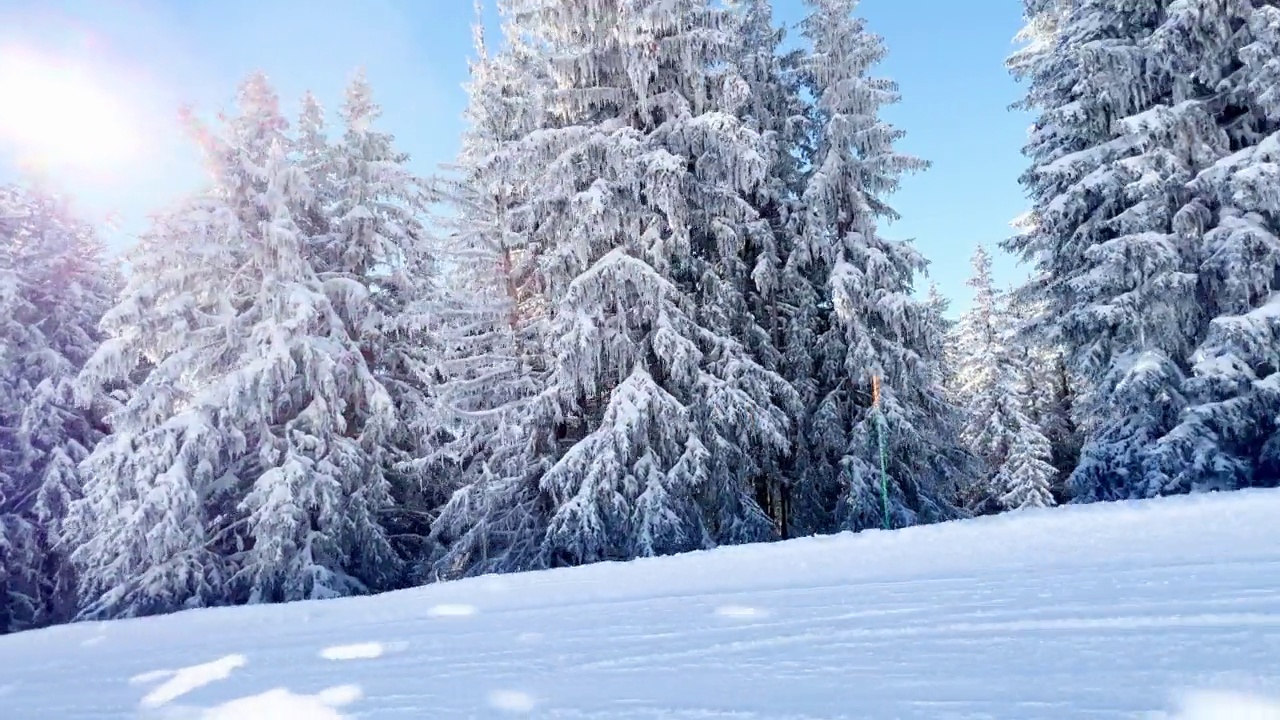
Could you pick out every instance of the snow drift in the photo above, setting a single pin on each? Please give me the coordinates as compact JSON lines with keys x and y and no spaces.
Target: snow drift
{"x":1166,"y":609}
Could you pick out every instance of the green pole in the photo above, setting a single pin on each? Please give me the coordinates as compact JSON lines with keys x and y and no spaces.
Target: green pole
{"x":884,"y":472}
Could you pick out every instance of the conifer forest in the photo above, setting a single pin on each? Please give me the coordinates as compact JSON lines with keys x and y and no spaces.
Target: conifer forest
{"x":648,"y":309}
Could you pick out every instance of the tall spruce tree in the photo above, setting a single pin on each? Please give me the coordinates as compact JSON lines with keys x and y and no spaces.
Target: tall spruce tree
{"x":55,"y":284}
{"x":245,"y":465}
{"x":493,"y":361}
{"x":1154,"y":253}
{"x":873,"y":326}
{"x":669,"y":419}
{"x":377,"y":265}
{"x":1113,"y":278}
{"x":781,"y":299}
{"x":1052,"y":393}
{"x":1223,"y":60}
{"x":987,"y":384}
{"x":656,"y":422}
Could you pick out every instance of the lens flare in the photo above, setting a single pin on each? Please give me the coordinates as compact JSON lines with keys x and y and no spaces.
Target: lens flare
{"x":58,"y":116}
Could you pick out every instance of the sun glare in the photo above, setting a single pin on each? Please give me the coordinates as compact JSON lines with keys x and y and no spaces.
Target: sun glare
{"x":59,"y":116}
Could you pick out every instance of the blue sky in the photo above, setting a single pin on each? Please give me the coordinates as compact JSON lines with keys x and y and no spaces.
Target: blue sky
{"x":158,"y":54}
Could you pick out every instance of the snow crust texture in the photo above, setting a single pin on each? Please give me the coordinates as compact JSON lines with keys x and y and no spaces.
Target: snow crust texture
{"x":1158,"y":610}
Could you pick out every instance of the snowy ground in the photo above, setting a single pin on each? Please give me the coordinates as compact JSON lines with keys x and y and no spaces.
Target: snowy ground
{"x":1169,"y":609}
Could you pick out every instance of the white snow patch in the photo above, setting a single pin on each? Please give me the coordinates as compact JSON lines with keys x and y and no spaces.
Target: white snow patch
{"x":280,"y":704}
{"x":191,"y":678}
{"x":90,"y":642}
{"x":358,"y":651}
{"x":740,"y":611}
{"x":340,"y":695}
{"x":452,"y":611}
{"x":1227,"y":706}
{"x":512,"y":701}
{"x":1096,"y":611}
{"x":154,"y":676}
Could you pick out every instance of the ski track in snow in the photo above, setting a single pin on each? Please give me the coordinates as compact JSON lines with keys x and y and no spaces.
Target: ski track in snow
{"x":1168,"y":610}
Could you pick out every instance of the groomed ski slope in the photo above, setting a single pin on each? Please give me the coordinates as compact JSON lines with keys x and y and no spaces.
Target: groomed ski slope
{"x":1163,"y":609}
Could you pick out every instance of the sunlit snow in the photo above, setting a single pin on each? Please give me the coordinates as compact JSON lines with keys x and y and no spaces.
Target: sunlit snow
{"x":183,"y":681}
{"x":452,"y":610}
{"x":1227,"y":706}
{"x":1163,"y":610}
{"x":739,"y":611}
{"x":279,"y":704}
{"x":358,"y":651}
{"x":512,"y":701}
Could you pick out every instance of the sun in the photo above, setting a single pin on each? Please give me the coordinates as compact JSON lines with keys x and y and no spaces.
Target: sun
{"x":61,"y":116}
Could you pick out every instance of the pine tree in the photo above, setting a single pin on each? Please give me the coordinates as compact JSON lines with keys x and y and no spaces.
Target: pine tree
{"x":1154,"y":245}
{"x":493,"y":361}
{"x":315,"y":157}
{"x":1110,"y":164}
{"x":947,"y":375}
{"x":55,"y":284}
{"x":1223,"y":60}
{"x":245,"y":464}
{"x":873,"y":324}
{"x":1052,"y":394}
{"x":1026,"y":476}
{"x":780,"y":298}
{"x":987,"y":382}
{"x":656,"y":421}
{"x":377,"y":267}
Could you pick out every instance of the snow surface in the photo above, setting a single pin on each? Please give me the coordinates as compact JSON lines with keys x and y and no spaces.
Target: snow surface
{"x":1164,"y":610}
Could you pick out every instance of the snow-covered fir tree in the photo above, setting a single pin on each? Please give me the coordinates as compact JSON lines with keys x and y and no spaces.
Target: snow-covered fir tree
{"x":1109,"y":170}
{"x":996,"y":381}
{"x":783,"y":299}
{"x":656,"y":422}
{"x":55,"y":284}
{"x":315,"y":156}
{"x":1052,"y":394}
{"x":1223,"y":61}
{"x":986,"y":383}
{"x":492,"y":337}
{"x":1154,"y":262}
{"x":377,"y":266}
{"x":246,"y":465}
{"x":668,"y":420}
{"x":1025,"y":478}
{"x":946,"y":376}
{"x":872,"y":325}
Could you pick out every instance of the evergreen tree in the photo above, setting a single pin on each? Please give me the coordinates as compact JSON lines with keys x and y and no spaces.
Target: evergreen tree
{"x":1153,"y":247}
{"x":493,"y":361}
{"x":947,"y":375}
{"x":781,"y":298}
{"x":672,"y":421}
{"x":1109,"y":170}
{"x":987,"y":383}
{"x":997,"y":376}
{"x":872,"y":325}
{"x":315,"y":156}
{"x":1223,"y":60}
{"x":245,"y":465}
{"x":1026,"y":476}
{"x":378,"y":270}
{"x":1052,"y":393}
{"x":55,"y":285}
{"x":656,"y":421}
